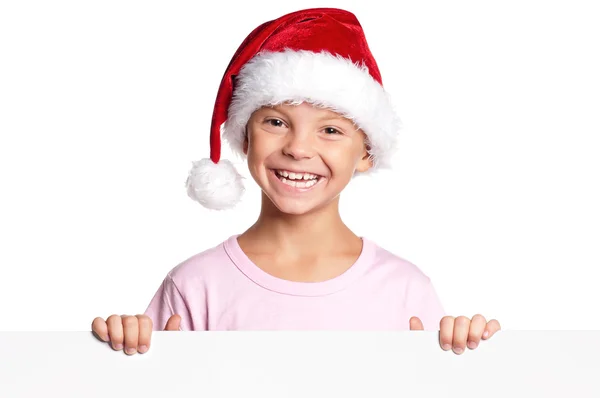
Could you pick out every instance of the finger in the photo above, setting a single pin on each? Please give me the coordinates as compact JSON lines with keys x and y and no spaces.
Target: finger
{"x":492,"y":327}
{"x":100,"y":329}
{"x":173,"y":323}
{"x":131,"y":332}
{"x":476,"y":330}
{"x":446,"y":332}
{"x":461,"y":332}
{"x":145,"y":333}
{"x":115,"y":331}
{"x":416,"y":324}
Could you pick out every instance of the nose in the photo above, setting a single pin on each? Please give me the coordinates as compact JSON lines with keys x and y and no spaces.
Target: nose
{"x":299,"y":145}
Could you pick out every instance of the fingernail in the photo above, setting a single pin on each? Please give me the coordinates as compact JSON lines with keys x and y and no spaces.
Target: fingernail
{"x":472,"y":345}
{"x":118,"y":346}
{"x":458,"y":350}
{"x":446,"y":347}
{"x":143,"y":349}
{"x":486,"y":334}
{"x":130,"y":351}
{"x":106,"y":339}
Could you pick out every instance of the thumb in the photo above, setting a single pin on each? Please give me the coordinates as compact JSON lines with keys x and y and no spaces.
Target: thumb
{"x":173,"y":323}
{"x":416,"y":324}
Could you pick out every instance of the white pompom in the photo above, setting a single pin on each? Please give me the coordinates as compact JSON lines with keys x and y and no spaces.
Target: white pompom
{"x":216,"y":186}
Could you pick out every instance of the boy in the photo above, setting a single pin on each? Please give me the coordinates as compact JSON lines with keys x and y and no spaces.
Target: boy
{"x":303,"y":101}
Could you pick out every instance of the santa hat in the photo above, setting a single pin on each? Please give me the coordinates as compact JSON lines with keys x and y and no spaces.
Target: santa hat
{"x":319,"y":56}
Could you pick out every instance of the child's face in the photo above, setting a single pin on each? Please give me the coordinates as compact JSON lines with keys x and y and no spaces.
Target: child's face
{"x":303,"y":139}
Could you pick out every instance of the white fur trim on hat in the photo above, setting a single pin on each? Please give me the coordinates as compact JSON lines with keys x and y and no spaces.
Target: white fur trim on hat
{"x":322,"y":79}
{"x":216,"y":186}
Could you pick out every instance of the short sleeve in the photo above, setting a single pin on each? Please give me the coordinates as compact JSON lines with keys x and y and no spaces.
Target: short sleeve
{"x":168,"y":301}
{"x":429,"y":308}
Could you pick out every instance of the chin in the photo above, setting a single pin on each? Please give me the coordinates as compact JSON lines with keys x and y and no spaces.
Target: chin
{"x":293,"y":207}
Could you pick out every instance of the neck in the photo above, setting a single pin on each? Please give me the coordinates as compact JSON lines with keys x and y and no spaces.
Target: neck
{"x":321,"y":229}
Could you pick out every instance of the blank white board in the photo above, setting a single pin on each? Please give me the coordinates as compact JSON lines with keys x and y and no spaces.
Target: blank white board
{"x":301,"y":364}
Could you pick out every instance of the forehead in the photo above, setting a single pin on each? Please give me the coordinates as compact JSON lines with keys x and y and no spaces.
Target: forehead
{"x":305,"y":109}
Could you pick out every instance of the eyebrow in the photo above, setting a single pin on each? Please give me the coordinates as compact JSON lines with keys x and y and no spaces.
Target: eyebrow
{"x":320,"y":119}
{"x":333,"y":117}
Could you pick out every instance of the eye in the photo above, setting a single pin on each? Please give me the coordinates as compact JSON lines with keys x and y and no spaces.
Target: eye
{"x":275,"y":122}
{"x":331,"y":131}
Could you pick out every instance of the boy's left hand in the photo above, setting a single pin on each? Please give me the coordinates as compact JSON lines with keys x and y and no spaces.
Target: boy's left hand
{"x":458,"y":333}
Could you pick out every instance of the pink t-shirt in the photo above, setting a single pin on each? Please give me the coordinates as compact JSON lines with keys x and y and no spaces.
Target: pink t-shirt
{"x":221,"y":289}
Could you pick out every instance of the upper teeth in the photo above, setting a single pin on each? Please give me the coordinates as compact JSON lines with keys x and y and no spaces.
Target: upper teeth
{"x":296,"y":176}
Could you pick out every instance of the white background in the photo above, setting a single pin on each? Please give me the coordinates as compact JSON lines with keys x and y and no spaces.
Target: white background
{"x":494,"y":195}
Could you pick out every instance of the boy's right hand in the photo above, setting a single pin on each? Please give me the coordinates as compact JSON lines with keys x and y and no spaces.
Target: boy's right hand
{"x":132,"y":332}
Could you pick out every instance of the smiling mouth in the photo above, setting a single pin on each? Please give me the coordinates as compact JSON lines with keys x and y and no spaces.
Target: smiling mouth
{"x":297,"y":180}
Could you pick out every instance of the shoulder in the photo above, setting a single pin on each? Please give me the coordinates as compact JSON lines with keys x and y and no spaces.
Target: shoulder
{"x":401,"y":275}
{"x":396,"y":266}
{"x":211,"y":263}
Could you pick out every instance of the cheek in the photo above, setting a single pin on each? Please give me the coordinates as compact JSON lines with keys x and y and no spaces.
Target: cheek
{"x":341,"y":160}
{"x":258,"y":151}
{"x":254,"y":161}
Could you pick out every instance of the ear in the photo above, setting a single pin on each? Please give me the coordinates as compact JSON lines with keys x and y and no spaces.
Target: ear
{"x":365,"y":162}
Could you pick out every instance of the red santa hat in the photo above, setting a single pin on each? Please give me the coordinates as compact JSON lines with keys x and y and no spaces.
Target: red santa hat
{"x":319,"y":56}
